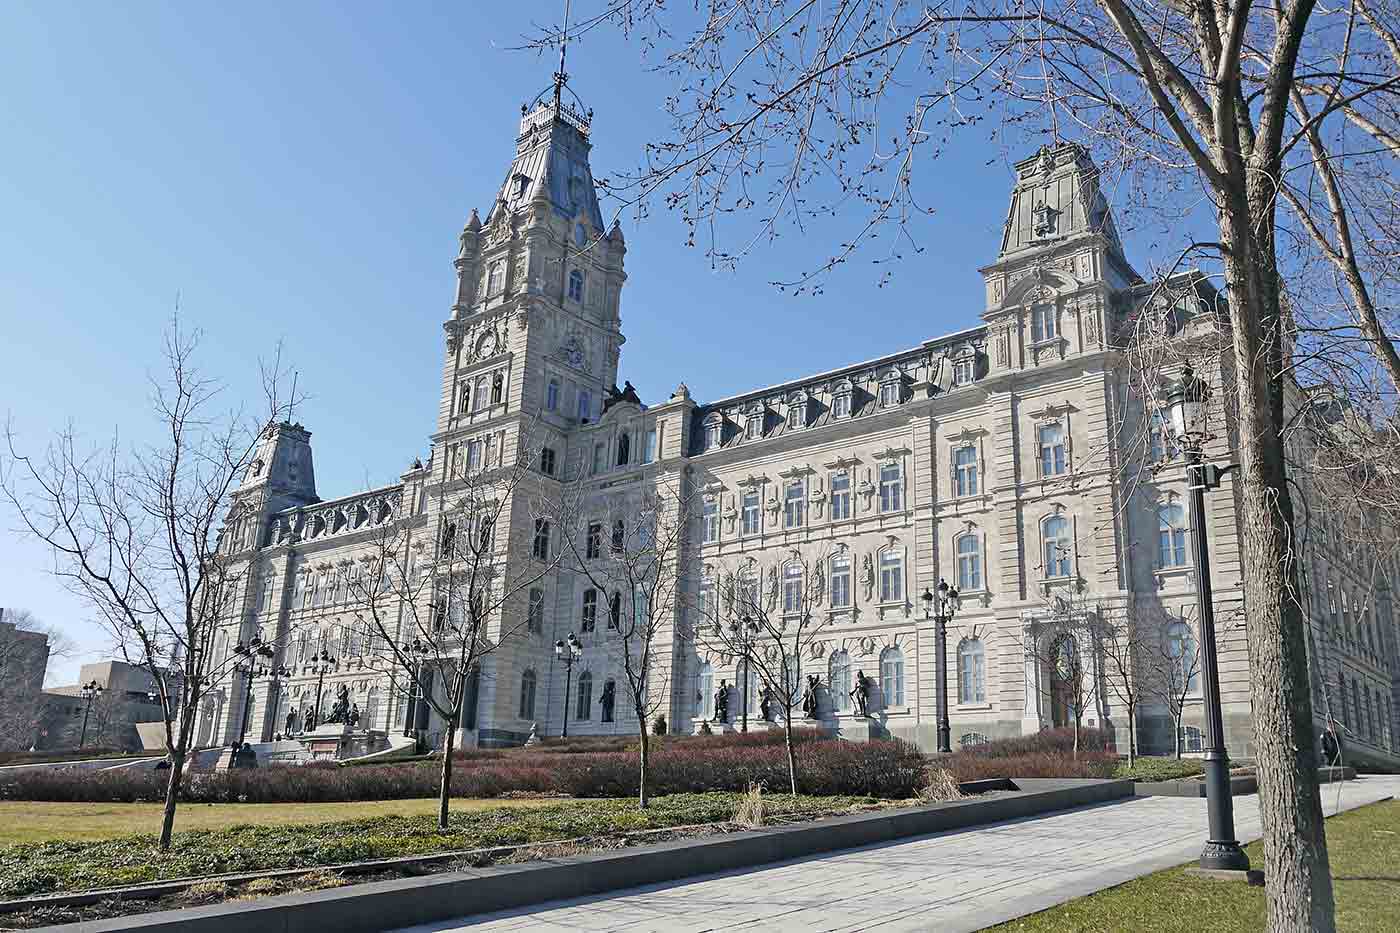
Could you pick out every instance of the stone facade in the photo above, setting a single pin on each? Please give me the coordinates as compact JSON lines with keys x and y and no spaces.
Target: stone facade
{"x":1009,"y":457}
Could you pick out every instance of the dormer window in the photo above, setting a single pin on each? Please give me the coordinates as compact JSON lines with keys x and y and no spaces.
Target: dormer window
{"x":1042,"y":323}
{"x":522,"y":184}
{"x":1046,"y":219}
{"x":797,"y":412}
{"x":890,"y":391}
{"x":965,"y":369}
{"x":753,"y":428}
{"x":714,"y":431}
{"x":841,"y":402}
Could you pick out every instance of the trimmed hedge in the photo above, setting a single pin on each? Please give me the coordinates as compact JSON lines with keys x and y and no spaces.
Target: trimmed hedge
{"x":891,"y":769}
{"x":1045,"y":754}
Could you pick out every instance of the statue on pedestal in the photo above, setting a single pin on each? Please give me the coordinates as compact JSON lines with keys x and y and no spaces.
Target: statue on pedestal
{"x":340,"y":712}
{"x":354,"y":717}
{"x":809,"y":698}
{"x":766,"y":702}
{"x":722,"y":702}
{"x":861,"y":694}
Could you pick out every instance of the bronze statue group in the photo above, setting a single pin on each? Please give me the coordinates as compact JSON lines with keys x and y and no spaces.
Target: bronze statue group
{"x":768,"y":703}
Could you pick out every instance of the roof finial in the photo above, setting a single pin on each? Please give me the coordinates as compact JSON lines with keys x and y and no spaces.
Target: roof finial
{"x":561,"y":77}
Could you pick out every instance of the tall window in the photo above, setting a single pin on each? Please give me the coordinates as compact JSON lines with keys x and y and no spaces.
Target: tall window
{"x":473,"y":455}
{"x":891,"y":485}
{"x":1052,"y":449}
{"x":964,"y":370}
{"x":754,"y":426}
{"x":1171,"y":536}
{"x":1058,"y":549}
{"x":598,"y":456}
{"x":841,"y":405}
{"x":608,"y":712}
{"x":594,"y":546}
{"x":792,"y":587}
{"x":479,"y":396}
{"x":624,"y":449}
{"x":838,"y":677}
{"x":710,"y":519}
{"x":714,"y":433}
{"x":464,"y":398}
{"x":840,"y":582}
{"x":797,"y":415}
{"x":649,"y":448}
{"x":972,"y":671}
{"x":891,"y":575}
{"x":547,"y":457}
{"x":969,"y":563}
{"x":576,"y":285}
{"x":889,"y":393}
{"x":1042,"y":322}
{"x":892,"y":676}
{"x":1164,"y":447}
{"x":705,"y":686}
{"x":496,"y":277}
{"x":589,"y":620}
{"x":498,"y":388}
{"x":751,"y":516}
{"x":585,"y":405}
{"x":534,"y":620}
{"x":615,"y":611}
{"x":795,"y":505}
{"x":583,"y":706}
{"x":965,"y":471}
{"x":540,"y":548}
{"x":527,"y":694}
{"x":551,"y":395}
{"x":1181,"y":651}
{"x":840,"y":496}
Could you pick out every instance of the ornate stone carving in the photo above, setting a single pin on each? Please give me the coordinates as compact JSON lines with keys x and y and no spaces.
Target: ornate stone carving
{"x":867,"y":576}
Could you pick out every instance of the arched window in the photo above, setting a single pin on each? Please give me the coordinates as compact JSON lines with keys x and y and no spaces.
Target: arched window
{"x":838,"y":676}
{"x":1171,"y":536}
{"x":714,"y":432}
{"x":969,"y":563}
{"x":1057,"y":546}
{"x":1181,"y":650}
{"x":705,"y":687}
{"x":585,"y":405}
{"x":891,"y":575}
{"x":527,"y":694}
{"x":972,"y":671}
{"x":609,"y":710}
{"x":624,"y":448}
{"x":371,"y":710}
{"x":792,"y":587}
{"x":892,"y":676}
{"x":583,"y":707}
{"x":576,"y":285}
{"x":496,"y":277}
{"x":464,"y":398}
{"x":551,"y":395}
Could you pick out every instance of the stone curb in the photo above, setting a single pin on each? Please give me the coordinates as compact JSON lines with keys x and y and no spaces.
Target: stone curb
{"x":1239,"y":785}
{"x":401,"y":902}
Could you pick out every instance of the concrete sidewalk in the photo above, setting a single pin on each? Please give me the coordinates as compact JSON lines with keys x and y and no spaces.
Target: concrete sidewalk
{"x":948,"y":882}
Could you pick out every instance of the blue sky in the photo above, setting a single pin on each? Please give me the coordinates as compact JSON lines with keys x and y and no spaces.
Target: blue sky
{"x":301,"y":171}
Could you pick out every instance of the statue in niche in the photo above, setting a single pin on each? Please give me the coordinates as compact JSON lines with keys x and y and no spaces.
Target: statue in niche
{"x":608,"y":700}
{"x":340,"y":712}
{"x":861,"y":694}
{"x":773,"y":587}
{"x":809,"y":696}
{"x":722,"y":702}
{"x":767,"y":702}
{"x":867,"y":576}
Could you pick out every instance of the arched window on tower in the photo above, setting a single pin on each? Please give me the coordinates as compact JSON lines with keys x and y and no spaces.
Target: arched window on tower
{"x":498,"y":388}
{"x":624,"y":448}
{"x":576,"y":285}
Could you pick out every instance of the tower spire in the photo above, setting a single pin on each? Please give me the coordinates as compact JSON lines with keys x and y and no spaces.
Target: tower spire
{"x":561,"y":77}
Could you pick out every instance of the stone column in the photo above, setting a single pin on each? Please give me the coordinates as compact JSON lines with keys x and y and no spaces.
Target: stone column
{"x":1031,"y":718}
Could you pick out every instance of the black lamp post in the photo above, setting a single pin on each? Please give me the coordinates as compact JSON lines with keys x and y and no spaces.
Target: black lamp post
{"x":568,"y":652}
{"x":251,"y":665}
{"x":948,"y":605}
{"x":416,"y":650}
{"x":323,"y":664}
{"x":90,"y":690}
{"x":1187,"y":405}
{"x":743,"y":631}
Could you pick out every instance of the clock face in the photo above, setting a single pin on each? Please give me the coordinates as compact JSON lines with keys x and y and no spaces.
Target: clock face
{"x":486,"y":345}
{"x":580,"y":234}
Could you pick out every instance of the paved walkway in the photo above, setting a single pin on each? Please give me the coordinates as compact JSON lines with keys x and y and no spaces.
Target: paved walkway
{"x":950,"y":882}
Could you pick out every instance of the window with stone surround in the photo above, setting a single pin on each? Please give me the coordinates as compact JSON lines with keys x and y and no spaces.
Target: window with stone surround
{"x":969,"y":550}
{"x":705,"y":687}
{"x":1171,"y":536}
{"x":841,"y":582}
{"x":891,"y":488}
{"x":891,"y":575}
{"x":965,"y":471}
{"x":527,"y":694}
{"x":1042,"y":323}
{"x":547,"y":461}
{"x":892,"y":677}
{"x":714,"y":432}
{"x":540,"y":548}
{"x":589,"y":620}
{"x":840,"y":495}
{"x":534,"y":618}
{"x":576,"y":285}
{"x":585,"y":405}
{"x":1051,"y":452}
{"x":583,"y":706}
{"x":496,"y":278}
{"x":751,"y":513}
{"x":792,"y":587}
{"x":551,"y":395}
{"x":1058,"y":549}
{"x":710,"y":520}
{"x":972,"y":671}
{"x":795,"y":505}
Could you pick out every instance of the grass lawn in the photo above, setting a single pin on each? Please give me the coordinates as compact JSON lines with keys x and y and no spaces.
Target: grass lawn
{"x":34,"y":821}
{"x":30,"y":869}
{"x":1364,"y":848}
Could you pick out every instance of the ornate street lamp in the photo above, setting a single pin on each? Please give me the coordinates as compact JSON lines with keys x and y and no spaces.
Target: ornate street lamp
{"x":251,"y":665}
{"x":743,"y":631}
{"x":1186,"y":403}
{"x":948,"y":604}
{"x":323,"y":664}
{"x":417,"y":650}
{"x":568,"y":652}
{"x":90,"y":691}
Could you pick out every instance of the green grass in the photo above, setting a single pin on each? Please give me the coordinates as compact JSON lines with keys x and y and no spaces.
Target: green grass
{"x":1364,"y":849}
{"x":1159,"y":769}
{"x":40,"y":821}
{"x":77,"y":865}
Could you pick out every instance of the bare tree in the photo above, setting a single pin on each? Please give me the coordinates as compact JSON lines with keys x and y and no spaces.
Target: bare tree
{"x":634,"y":561}
{"x":1123,"y":641}
{"x":436,"y":603}
{"x":1171,"y":668}
{"x":787,"y":113}
{"x":137,"y":533}
{"x":768,"y":616}
{"x":1067,"y":642}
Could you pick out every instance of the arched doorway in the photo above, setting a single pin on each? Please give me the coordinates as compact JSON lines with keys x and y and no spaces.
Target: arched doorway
{"x":1066,"y":672}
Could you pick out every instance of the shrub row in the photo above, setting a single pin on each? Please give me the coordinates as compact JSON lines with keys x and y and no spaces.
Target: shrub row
{"x":892,"y":769}
{"x":1045,"y":754}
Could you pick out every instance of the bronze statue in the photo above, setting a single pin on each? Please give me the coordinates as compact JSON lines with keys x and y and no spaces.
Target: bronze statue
{"x":809,"y":698}
{"x":608,"y":700}
{"x":861,"y":694}
{"x":722,"y":702}
{"x":340,"y":712}
{"x":767,"y":700}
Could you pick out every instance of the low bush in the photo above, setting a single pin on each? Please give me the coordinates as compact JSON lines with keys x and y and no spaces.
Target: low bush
{"x":593,"y":768}
{"x":1160,"y":769}
{"x":1045,"y":754}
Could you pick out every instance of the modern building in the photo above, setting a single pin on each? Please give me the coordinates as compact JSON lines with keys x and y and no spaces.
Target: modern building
{"x":109,"y":718}
{"x":1010,"y":457}
{"x":24,"y":658}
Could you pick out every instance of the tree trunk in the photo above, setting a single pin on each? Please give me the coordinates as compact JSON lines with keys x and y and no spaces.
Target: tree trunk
{"x":172,"y":795}
{"x":1297,"y":878}
{"x":445,"y":782}
{"x":643,"y":758}
{"x":1176,"y":735}
{"x":1132,"y":734}
{"x":791,"y":751}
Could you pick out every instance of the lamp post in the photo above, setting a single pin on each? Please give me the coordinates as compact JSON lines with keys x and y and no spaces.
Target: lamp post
{"x":416,"y":650}
{"x":324,"y":664}
{"x":948,"y":604}
{"x":251,"y":667}
{"x":1186,"y":402}
{"x":743,"y":631}
{"x":90,"y":690}
{"x":568,"y":652}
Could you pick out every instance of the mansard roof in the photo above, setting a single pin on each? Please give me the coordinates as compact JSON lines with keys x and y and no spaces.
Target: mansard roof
{"x":551,"y":161}
{"x":1056,"y":198}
